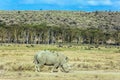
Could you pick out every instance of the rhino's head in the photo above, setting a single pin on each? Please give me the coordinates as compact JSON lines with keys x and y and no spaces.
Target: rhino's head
{"x":66,"y":68}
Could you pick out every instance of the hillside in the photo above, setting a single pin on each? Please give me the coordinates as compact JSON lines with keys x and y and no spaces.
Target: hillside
{"x":48,"y":27}
{"x":104,"y":20}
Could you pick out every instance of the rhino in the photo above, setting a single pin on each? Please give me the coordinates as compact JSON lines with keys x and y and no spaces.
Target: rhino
{"x":49,"y":58}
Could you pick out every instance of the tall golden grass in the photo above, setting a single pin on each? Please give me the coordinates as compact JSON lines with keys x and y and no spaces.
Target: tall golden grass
{"x":20,"y":57}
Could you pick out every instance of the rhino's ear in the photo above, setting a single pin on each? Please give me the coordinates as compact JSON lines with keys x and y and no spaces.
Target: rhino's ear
{"x":66,"y":58}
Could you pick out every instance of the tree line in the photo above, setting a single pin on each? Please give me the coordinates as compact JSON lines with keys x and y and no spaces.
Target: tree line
{"x":44,"y":34}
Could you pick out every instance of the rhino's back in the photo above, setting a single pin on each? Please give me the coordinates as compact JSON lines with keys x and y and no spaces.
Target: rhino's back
{"x":47,"y":57}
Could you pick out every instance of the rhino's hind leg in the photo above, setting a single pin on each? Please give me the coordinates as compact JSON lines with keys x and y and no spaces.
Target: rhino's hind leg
{"x":37,"y":68}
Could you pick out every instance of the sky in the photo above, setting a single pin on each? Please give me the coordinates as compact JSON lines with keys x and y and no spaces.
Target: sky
{"x":79,"y":5}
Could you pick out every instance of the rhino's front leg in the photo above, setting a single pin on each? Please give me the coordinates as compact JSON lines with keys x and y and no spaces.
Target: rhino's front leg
{"x":55,"y":68}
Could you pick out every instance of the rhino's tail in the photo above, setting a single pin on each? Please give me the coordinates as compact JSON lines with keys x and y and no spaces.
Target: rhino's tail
{"x":35,"y":60}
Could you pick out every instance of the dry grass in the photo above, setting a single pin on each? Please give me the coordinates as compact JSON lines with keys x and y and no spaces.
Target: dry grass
{"x":17,"y":61}
{"x":83,"y":75}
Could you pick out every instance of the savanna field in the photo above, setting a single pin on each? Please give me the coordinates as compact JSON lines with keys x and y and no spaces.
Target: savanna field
{"x":88,"y":62}
{"x":87,"y":32}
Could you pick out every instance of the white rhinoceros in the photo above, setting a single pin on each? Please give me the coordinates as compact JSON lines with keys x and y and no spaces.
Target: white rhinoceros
{"x":51,"y":59}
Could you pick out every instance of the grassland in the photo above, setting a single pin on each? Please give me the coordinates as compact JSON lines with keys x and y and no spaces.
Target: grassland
{"x":103,"y":63}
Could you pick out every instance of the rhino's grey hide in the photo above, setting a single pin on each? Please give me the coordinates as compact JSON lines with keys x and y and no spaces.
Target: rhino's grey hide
{"x":49,"y":58}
